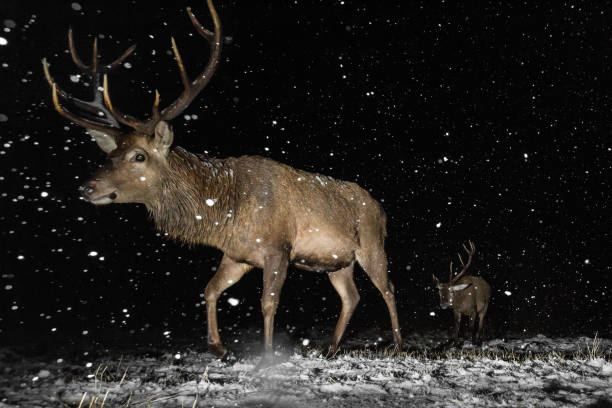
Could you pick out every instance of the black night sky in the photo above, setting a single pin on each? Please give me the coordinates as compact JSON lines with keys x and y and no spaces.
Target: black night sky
{"x":485,"y":120}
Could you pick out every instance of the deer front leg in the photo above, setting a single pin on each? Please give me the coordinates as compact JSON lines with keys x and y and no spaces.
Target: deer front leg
{"x":229,"y":272}
{"x":274,"y":274}
{"x":457,"y":324}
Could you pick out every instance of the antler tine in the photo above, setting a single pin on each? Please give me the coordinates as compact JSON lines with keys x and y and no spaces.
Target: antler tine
{"x":45,"y":65}
{"x":75,"y":57}
{"x":460,"y":259}
{"x":155,"y":110}
{"x":194,"y":87}
{"x":112,"y":65}
{"x":209,"y":35}
{"x":79,"y":121}
{"x":121,"y":117}
{"x":450,"y":278}
{"x":179,"y":62}
{"x":94,"y":56}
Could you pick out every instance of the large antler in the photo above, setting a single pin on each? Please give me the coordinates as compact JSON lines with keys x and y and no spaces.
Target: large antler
{"x":103,"y":116}
{"x":470,"y":252}
{"x":191,"y":88}
{"x":95,"y":114}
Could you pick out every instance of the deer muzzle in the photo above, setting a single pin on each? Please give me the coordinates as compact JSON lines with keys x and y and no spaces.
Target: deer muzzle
{"x":92,"y":192}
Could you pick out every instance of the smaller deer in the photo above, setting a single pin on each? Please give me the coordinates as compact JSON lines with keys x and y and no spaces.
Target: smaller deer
{"x":467,"y":295}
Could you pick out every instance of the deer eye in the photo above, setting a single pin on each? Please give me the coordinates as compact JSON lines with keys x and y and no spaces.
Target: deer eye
{"x":139,"y":157}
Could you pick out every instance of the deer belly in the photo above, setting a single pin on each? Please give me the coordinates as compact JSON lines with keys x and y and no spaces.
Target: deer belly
{"x":322,"y":255}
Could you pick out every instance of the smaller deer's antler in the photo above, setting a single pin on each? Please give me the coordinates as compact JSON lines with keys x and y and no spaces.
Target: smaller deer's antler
{"x":470,"y":252}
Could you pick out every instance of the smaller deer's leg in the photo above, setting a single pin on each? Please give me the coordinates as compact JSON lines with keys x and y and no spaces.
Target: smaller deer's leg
{"x":274,"y":274}
{"x":343,"y":282}
{"x":481,"y":317}
{"x":457,"y":324}
{"x":229,"y":272}
{"x":473,"y":326}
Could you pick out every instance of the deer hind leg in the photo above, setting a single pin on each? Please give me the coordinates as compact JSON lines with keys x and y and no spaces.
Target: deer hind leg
{"x":481,"y":317}
{"x":473,"y":326}
{"x":229,"y":272}
{"x":274,"y":274}
{"x":342,"y":281}
{"x":373,"y":260}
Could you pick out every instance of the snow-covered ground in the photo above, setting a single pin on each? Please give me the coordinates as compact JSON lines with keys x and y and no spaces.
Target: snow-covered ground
{"x":532,"y":371}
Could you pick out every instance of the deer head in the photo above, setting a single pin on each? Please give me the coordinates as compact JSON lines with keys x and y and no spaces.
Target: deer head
{"x":447,"y":290}
{"x":136,"y":158}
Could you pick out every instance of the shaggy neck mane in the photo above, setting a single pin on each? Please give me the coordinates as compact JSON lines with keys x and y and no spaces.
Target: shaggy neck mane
{"x":195,"y":203}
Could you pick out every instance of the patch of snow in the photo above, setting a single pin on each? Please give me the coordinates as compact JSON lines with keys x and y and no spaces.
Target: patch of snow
{"x":466,"y":377}
{"x":43,"y":374}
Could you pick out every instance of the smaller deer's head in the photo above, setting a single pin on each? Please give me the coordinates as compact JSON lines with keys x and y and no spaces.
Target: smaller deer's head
{"x":447,"y":290}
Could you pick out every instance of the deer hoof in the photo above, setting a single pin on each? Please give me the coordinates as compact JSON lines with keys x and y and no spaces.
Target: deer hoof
{"x":218,"y":350}
{"x":331,"y":353}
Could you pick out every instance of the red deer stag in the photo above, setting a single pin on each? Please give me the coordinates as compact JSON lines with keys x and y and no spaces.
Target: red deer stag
{"x":467,"y":295}
{"x":259,"y":212}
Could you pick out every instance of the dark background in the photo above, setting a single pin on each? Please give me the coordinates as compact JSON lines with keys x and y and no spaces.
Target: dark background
{"x":486,"y":121}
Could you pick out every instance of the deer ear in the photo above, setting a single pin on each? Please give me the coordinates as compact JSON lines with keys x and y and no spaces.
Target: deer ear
{"x":456,"y":288}
{"x":436,"y":280}
{"x":105,"y":141}
{"x":163,"y":137}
